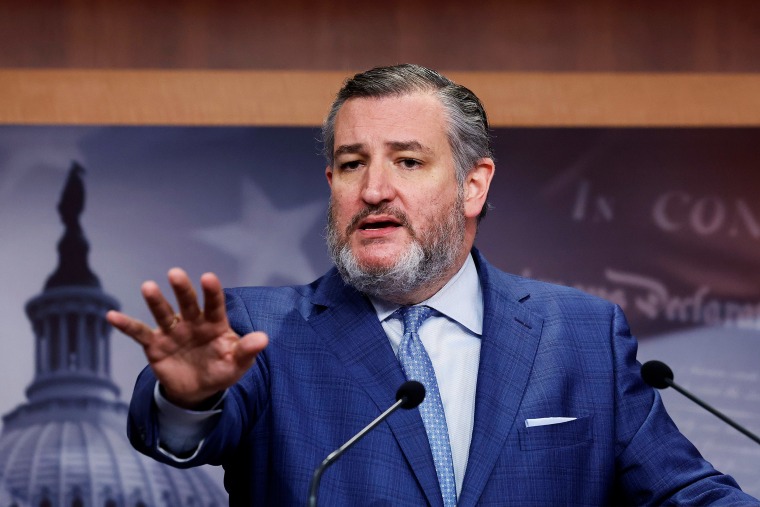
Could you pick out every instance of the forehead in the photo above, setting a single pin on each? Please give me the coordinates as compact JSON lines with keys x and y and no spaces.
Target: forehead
{"x":413,"y":117}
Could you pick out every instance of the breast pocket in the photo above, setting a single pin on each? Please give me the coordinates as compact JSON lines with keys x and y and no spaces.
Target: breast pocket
{"x":552,"y":436}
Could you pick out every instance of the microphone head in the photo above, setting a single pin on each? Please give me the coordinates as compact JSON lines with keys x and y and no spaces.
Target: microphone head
{"x":412,"y":393}
{"x":656,"y":374}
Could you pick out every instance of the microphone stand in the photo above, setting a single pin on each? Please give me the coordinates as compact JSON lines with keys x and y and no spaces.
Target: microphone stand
{"x":713,"y":411}
{"x":659,"y":375}
{"x":333,"y":456}
{"x":408,"y":396}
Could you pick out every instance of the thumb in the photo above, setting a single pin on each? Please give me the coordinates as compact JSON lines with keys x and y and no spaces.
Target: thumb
{"x":249,"y":347}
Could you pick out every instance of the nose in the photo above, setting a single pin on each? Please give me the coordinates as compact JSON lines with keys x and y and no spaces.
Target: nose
{"x":378,"y":184}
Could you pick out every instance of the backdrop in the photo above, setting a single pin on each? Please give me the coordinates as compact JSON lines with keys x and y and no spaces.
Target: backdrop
{"x":664,"y":222}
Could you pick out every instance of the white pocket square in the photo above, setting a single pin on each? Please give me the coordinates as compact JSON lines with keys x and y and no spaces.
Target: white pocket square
{"x":545,"y":421}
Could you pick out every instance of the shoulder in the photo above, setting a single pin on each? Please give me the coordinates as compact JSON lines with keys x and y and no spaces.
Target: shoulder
{"x":263,"y":298}
{"x":545,"y":299}
{"x":551,"y":298}
{"x":258,"y":308}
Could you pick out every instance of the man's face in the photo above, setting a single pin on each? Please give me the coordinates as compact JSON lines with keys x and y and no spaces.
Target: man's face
{"x":394,"y":190}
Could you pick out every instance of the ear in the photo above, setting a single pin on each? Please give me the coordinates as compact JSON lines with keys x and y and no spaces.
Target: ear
{"x":329,"y":175}
{"x":476,"y":185}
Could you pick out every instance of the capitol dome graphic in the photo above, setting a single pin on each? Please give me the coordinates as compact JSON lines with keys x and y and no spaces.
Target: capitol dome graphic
{"x":67,"y":446}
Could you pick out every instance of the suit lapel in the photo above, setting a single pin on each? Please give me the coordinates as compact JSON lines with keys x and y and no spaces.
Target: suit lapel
{"x":510,"y":339}
{"x":349,"y":326}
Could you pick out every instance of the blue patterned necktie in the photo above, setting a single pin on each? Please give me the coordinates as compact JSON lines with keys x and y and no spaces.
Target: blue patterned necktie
{"x":417,"y":366}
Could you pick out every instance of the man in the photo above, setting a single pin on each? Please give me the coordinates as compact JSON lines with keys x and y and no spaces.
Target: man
{"x":533,"y":393}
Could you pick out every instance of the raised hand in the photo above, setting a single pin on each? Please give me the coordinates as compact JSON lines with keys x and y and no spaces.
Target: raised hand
{"x":194,"y":353}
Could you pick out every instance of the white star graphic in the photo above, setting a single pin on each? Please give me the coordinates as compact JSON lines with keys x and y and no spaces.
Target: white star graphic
{"x":266,"y":241}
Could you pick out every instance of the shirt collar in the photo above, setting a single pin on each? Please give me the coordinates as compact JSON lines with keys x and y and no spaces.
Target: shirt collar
{"x":463,"y":286}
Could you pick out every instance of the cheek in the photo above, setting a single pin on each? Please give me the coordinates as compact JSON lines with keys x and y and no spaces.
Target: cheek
{"x":435,"y":204}
{"x":341,"y":210}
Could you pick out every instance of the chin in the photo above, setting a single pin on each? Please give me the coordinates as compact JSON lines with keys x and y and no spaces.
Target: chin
{"x":373,"y":265}
{"x":372,"y":258}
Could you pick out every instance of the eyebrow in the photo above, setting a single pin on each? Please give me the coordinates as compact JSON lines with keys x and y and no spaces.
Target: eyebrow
{"x":407,"y":146}
{"x":393,"y":145}
{"x":348,"y":148}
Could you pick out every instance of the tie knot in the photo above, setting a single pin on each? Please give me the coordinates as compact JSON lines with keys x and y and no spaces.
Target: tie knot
{"x":413,"y":317}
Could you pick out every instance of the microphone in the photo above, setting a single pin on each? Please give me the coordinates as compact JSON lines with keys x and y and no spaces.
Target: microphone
{"x":409,"y":395}
{"x":658,"y":374}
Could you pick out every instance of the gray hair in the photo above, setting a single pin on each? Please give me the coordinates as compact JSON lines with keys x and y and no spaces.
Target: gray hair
{"x":467,"y":130}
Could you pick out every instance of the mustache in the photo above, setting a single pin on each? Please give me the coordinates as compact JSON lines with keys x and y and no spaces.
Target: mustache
{"x":380,"y":209}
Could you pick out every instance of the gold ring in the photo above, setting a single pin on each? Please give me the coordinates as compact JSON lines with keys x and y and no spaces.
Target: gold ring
{"x":175,"y":321}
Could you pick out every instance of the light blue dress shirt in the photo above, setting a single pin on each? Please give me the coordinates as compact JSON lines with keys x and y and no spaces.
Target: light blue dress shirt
{"x":452,"y":340}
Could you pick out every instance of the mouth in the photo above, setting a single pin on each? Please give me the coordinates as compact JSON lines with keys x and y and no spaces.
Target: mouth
{"x":378,"y":223}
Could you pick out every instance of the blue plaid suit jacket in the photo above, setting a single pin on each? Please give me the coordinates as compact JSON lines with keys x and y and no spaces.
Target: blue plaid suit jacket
{"x":546,"y":351}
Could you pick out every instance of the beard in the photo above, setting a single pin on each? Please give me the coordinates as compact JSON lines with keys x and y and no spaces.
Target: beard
{"x":426,"y":261}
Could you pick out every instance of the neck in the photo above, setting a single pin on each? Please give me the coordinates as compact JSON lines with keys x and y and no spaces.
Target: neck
{"x":423,"y":293}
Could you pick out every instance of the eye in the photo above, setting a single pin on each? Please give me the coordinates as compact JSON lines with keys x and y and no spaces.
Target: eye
{"x":351,"y":165}
{"x":410,"y":163}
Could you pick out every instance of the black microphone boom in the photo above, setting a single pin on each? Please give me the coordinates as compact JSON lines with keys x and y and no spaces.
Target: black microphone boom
{"x":408,"y":396}
{"x":658,"y":374}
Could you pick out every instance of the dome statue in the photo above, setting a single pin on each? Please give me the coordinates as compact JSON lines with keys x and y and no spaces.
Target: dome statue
{"x":67,"y":446}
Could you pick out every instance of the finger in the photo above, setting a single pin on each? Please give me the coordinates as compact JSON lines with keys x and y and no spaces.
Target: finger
{"x":187,"y":299}
{"x":249,"y":347}
{"x":213,"y":298}
{"x":133,"y":328}
{"x":159,"y":307}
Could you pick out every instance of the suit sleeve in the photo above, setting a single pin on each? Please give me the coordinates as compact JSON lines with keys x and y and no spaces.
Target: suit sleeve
{"x":239,"y":410}
{"x":656,"y":464}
